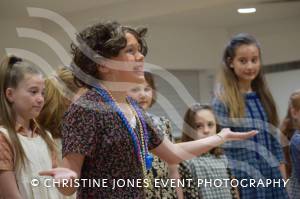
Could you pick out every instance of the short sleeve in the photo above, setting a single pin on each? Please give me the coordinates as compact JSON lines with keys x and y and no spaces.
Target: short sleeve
{"x":6,"y":155}
{"x":168,"y":131}
{"x":78,"y":130}
{"x":155,"y":136}
{"x":162,"y":124}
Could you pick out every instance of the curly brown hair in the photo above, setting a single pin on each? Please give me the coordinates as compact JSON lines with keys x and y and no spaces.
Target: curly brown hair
{"x":101,"y":40}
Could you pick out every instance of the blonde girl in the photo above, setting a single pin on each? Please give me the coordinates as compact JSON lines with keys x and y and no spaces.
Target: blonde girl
{"x":60,"y":91}
{"x":25,"y":147}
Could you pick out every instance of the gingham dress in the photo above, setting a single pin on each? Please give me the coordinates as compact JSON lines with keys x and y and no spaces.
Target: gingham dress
{"x":208,"y":168}
{"x":258,"y":157}
{"x":294,"y":183}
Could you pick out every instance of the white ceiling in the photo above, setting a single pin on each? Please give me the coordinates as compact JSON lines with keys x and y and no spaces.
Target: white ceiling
{"x":207,"y":13}
{"x":226,"y":15}
{"x":208,"y":22}
{"x":17,"y":8}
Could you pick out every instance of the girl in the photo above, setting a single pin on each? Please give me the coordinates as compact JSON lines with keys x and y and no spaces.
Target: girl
{"x":25,"y":147}
{"x":145,"y":95}
{"x":59,"y":92}
{"x":199,"y":123}
{"x":244,"y":102}
{"x":293,"y":120}
{"x":100,"y":138}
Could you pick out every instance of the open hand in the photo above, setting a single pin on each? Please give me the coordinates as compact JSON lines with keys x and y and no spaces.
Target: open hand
{"x":60,"y":173}
{"x":229,"y":135}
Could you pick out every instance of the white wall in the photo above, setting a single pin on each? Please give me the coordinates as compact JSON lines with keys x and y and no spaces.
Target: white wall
{"x":171,"y":46}
{"x":282,"y":85}
{"x":185,"y":47}
{"x":10,"y":39}
{"x":280,"y":40}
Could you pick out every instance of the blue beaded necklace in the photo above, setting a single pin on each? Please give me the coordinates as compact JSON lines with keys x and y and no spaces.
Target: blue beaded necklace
{"x":140,"y":145}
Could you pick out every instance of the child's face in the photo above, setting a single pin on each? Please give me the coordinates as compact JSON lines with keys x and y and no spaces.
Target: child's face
{"x":28,"y":98}
{"x":296,"y":116}
{"x":246,"y":63}
{"x":129,"y":65}
{"x":143,"y":94}
{"x":205,"y":124}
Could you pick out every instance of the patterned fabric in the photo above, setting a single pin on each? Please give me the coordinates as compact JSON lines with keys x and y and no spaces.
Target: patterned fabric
{"x":208,"y":168}
{"x":258,"y":157}
{"x":94,"y":130}
{"x":294,"y":183}
{"x":160,"y":168}
{"x":6,"y":154}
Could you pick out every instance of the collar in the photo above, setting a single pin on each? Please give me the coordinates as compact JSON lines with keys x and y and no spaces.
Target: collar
{"x":33,"y":126}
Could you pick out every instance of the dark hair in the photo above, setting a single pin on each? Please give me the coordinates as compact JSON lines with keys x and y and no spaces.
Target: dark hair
{"x":150,"y":80}
{"x":104,"y":40}
{"x":189,"y":126}
{"x":230,"y":93}
{"x":235,"y":42}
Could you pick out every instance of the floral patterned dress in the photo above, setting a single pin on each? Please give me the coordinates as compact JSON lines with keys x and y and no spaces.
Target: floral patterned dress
{"x":160,"y":168}
{"x":94,"y":129}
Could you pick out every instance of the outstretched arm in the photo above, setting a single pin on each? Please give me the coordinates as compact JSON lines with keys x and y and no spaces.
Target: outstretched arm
{"x":175,"y":153}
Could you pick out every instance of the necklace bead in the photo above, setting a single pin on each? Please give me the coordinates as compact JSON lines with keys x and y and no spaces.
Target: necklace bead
{"x":140,"y":145}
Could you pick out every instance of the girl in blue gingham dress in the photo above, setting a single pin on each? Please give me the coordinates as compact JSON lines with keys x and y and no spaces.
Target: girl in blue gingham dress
{"x":243,"y":101}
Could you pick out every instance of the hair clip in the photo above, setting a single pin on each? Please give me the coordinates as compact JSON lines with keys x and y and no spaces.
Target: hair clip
{"x":13,"y":60}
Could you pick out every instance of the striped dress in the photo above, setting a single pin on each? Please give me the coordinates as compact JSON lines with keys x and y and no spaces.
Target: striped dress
{"x":256,"y":159}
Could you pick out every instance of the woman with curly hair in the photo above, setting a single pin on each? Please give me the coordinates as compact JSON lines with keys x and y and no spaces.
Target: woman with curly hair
{"x":105,"y":134}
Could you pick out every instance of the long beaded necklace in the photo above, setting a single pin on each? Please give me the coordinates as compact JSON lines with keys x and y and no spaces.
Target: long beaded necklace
{"x":140,"y":145}
{"x":143,"y":128}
